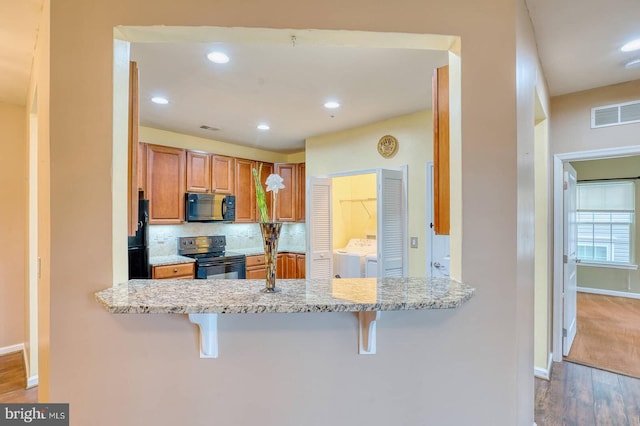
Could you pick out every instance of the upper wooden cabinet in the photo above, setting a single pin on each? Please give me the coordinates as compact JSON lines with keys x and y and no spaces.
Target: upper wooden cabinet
{"x":245,"y":191}
{"x":165,"y":184}
{"x":291,"y":199}
{"x":222,"y":174}
{"x":142,"y":168}
{"x":210,"y":173}
{"x":301,"y":187}
{"x":198,"y":171}
{"x":132,"y":166}
{"x":441,"y":197}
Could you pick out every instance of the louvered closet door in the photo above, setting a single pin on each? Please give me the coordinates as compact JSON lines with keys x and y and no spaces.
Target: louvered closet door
{"x":391,"y":224}
{"x":319,"y":221}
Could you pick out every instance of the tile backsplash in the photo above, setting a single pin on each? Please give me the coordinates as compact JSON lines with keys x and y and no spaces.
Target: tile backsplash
{"x":163,"y":239}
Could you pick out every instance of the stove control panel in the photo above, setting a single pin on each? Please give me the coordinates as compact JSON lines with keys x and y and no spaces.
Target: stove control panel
{"x":204,"y":244}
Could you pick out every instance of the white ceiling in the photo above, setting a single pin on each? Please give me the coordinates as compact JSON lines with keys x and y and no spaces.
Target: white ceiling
{"x":578,"y":43}
{"x":282,"y":85}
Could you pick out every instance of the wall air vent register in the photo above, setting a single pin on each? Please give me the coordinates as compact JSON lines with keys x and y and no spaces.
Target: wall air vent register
{"x":615,"y":115}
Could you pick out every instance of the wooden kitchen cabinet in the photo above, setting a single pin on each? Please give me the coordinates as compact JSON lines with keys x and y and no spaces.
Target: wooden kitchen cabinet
{"x":287,"y":197}
{"x":198,"y":171}
{"x":245,"y":191}
{"x":179,"y":271}
{"x":223,"y":174}
{"x":256,"y":267}
{"x":142,"y":168}
{"x":132,"y":150}
{"x":301,"y":192}
{"x":441,"y":191}
{"x":291,"y":199}
{"x":290,"y":265}
{"x":280,"y":267}
{"x":301,"y":266}
{"x":165,"y":184}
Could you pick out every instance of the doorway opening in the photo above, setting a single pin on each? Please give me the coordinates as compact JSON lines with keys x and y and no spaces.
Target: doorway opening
{"x":606,"y":283}
{"x":357,"y":224}
{"x":563,"y":292}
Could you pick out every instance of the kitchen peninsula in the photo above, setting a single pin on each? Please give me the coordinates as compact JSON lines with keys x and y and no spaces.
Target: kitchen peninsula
{"x":203,"y":300}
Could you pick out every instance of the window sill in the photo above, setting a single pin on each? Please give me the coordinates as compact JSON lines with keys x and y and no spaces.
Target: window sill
{"x":609,"y":265}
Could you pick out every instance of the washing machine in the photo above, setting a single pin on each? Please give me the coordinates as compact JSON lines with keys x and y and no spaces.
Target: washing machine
{"x":350,"y":261}
{"x":371,"y":266}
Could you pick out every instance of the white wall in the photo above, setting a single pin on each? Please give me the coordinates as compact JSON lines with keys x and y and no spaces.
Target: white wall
{"x":467,"y":366}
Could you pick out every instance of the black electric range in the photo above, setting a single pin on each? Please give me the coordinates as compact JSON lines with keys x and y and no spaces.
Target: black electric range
{"x":212,"y":260}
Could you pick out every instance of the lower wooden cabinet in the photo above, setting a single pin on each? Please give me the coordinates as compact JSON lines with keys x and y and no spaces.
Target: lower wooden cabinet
{"x":301,"y":265}
{"x":287,"y":267}
{"x":256,"y":267}
{"x":179,"y":271}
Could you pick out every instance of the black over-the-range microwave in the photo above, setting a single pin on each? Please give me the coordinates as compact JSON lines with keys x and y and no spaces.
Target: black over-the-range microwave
{"x":210,"y":207}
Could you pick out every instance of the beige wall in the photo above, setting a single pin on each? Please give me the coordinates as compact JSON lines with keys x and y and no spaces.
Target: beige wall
{"x":528,"y":83}
{"x":179,"y":140}
{"x":38,"y":100}
{"x":610,"y":278}
{"x":542,"y":264}
{"x":13,"y":221}
{"x":571,"y":120}
{"x":429,"y":364}
{"x":356,"y":149}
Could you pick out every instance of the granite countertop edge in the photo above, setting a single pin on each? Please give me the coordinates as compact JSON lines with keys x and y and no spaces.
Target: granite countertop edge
{"x":202,"y":296}
{"x":169,"y":260}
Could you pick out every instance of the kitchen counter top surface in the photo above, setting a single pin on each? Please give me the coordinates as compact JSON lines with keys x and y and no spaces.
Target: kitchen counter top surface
{"x":227,"y":296}
{"x":169,"y":260}
{"x":281,"y":249}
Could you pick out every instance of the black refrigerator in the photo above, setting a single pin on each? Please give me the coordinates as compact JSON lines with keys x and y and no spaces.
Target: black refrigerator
{"x":139,"y":245}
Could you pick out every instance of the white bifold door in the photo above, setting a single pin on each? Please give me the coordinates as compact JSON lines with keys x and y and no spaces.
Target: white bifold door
{"x":391,"y":225}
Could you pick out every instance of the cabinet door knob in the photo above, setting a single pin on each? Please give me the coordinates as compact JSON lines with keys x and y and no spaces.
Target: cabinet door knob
{"x":175,"y":270}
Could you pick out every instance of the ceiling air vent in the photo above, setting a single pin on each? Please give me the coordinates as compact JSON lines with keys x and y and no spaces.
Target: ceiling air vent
{"x":614,"y":115}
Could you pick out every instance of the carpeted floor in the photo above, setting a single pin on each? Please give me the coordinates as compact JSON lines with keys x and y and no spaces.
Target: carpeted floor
{"x":608,"y":335}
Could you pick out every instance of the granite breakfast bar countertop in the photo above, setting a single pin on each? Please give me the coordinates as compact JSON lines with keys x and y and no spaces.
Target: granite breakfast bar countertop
{"x":204,"y":300}
{"x":296,"y":295}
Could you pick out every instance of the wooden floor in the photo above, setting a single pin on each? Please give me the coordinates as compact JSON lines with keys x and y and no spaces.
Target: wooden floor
{"x":578,"y":395}
{"x":608,"y":333}
{"x":13,"y":380}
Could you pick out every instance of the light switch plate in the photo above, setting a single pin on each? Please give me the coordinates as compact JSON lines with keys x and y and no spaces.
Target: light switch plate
{"x":414,"y":242}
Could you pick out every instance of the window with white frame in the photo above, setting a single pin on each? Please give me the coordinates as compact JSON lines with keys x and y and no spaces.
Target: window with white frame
{"x":606,"y":225}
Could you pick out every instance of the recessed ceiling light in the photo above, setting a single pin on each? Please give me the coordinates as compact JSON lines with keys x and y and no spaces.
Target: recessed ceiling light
{"x":331,"y":105}
{"x":631,"y":46}
{"x":218,"y":57}
{"x":159,"y":100}
{"x":263,"y":126}
{"x":632,"y":64}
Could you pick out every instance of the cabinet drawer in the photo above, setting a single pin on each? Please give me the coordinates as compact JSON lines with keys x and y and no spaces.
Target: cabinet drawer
{"x":255,"y":260}
{"x":182,"y":270}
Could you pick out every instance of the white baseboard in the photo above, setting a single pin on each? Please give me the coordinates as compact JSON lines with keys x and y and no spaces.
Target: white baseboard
{"x":13,"y":348}
{"x":541,"y":373}
{"x":32,"y":381}
{"x":608,"y":292}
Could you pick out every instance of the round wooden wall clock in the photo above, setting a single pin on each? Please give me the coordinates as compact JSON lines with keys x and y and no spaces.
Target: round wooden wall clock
{"x":387,"y":146}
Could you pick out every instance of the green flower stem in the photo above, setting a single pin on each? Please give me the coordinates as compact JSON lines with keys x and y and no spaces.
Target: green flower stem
{"x":261,"y":198}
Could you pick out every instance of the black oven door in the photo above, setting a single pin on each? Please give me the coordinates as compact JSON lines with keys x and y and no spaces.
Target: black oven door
{"x":222,"y":268}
